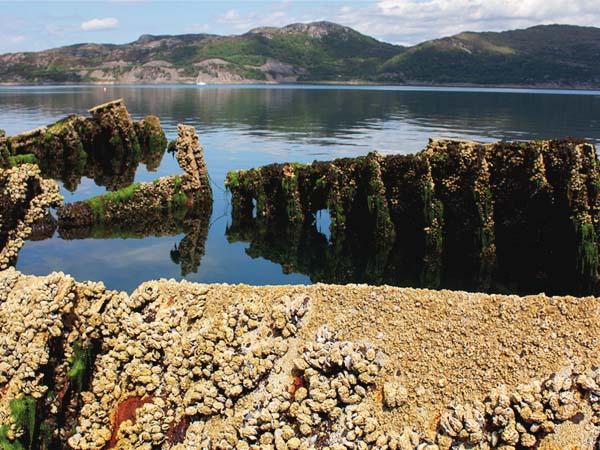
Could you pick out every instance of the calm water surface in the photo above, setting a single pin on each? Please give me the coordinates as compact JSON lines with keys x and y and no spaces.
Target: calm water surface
{"x":247,"y":126}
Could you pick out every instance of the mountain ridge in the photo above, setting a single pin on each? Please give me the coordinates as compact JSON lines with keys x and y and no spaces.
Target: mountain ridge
{"x":543,"y":55}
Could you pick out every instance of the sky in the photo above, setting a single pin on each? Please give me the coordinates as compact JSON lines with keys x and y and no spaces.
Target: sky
{"x":35,"y":25}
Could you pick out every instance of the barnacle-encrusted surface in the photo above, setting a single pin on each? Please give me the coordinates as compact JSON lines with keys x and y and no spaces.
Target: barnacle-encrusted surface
{"x":138,"y":203}
{"x":24,"y":198}
{"x":524,"y":210}
{"x":107,"y":147}
{"x":187,"y":366}
{"x":190,"y":156}
{"x":4,"y":152}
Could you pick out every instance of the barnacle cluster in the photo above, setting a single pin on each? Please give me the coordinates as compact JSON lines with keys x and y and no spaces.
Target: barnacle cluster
{"x":24,"y":198}
{"x":520,"y":418}
{"x":164,"y":368}
{"x":190,"y":156}
{"x":4,"y":152}
{"x":457,"y":201}
{"x":42,"y":326}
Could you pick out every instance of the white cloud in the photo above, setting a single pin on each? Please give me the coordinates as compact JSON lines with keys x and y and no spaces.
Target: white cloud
{"x":483,"y":10}
{"x":108,"y":23}
{"x":197,"y":28}
{"x":233,"y":18}
{"x":12,"y":38}
{"x":414,"y":21}
{"x":231,"y":15}
{"x":244,"y":22}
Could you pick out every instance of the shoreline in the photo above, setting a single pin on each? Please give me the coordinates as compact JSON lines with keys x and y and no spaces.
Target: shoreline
{"x":300,"y":84}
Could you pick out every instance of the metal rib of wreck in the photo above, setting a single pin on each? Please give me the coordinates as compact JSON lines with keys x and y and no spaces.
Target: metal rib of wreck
{"x":107,"y":147}
{"x":535,"y":201}
{"x":139,"y":203}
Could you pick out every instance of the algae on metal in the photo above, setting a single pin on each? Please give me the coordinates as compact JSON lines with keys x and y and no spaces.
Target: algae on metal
{"x":531,"y":207}
{"x":23,"y":411}
{"x":107,"y":147}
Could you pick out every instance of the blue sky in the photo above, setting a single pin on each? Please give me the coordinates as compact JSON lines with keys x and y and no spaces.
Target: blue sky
{"x":35,"y":25}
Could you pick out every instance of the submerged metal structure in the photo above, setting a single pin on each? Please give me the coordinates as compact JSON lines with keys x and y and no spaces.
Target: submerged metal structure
{"x":531,"y":206}
{"x":108,"y":146}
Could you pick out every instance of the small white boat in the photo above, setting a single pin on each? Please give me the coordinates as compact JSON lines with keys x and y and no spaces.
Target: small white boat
{"x":200,"y":83}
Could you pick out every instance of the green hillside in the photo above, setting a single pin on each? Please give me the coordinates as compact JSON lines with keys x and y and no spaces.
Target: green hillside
{"x":552,"y":55}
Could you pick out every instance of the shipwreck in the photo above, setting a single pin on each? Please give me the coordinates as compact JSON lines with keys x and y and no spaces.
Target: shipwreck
{"x":528,"y":207}
{"x":108,"y":147}
{"x":180,"y":365}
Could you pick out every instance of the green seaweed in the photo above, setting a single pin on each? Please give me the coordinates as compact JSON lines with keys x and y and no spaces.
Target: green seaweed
{"x":46,"y":434}
{"x":6,"y":443}
{"x":177,"y":200}
{"x":587,"y":253}
{"x":136,"y":149}
{"x":17,"y":160}
{"x":115,"y":140}
{"x":81,"y":362}
{"x":254,"y":184}
{"x":156,"y":138}
{"x":341,"y":195}
{"x":485,"y":232}
{"x":177,"y":182}
{"x":289,"y":187}
{"x":377,"y":202}
{"x":99,"y":204}
{"x":433,"y":215}
{"x":23,"y":411}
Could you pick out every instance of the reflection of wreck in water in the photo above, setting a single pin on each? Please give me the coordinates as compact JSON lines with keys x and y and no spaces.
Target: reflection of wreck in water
{"x":348,"y":258}
{"x":167,"y":206}
{"x":192,"y":222}
{"x":518,"y":217}
{"x":300,"y":247}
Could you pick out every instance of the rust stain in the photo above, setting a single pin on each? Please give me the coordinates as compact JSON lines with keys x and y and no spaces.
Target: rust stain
{"x":297,"y":384}
{"x":176,"y":433}
{"x":288,"y":170}
{"x":125,"y":411}
{"x":63,"y":391}
{"x":435,"y":420}
{"x":190,"y":201}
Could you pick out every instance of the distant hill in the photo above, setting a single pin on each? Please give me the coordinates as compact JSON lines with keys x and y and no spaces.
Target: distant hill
{"x":561,"y":55}
{"x":552,"y":55}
